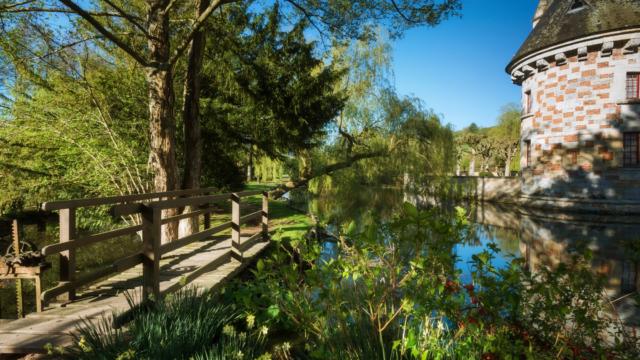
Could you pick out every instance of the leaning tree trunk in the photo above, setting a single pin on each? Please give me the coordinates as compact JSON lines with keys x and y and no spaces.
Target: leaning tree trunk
{"x":162,"y":126}
{"x":191,"y":120}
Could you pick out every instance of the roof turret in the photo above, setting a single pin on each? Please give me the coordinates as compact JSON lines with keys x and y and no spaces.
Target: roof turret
{"x":558,"y":21}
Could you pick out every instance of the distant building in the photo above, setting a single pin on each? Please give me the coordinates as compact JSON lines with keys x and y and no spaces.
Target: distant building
{"x":580,"y":75}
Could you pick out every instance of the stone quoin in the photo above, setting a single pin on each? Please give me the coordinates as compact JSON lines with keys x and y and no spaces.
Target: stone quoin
{"x":579,"y":70}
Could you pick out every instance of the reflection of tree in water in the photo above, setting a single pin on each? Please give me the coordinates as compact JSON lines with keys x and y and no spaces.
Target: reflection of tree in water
{"x":345,"y":201}
{"x":507,"y":239}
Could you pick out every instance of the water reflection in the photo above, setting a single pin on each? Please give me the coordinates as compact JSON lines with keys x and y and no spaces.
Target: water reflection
{"x":540,"y":237}
{"x":547,"y":239}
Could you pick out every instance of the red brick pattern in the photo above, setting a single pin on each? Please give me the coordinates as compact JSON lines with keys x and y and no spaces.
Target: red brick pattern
{"x":574,"y":116}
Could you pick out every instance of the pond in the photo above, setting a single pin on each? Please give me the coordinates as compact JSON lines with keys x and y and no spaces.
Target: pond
{"x":541,"y":238}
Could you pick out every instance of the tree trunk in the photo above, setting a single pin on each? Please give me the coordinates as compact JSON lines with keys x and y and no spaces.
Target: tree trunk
{"x":250,"y":165}
{"x":472,"y":165}
{"x":191,"y":120}
{"x":507,"y":165}
{"x":304,"y":170}
{"x":162,"y":126}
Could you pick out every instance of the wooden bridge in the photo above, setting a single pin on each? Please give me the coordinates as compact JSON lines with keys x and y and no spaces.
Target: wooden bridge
{"x":204,"y":259}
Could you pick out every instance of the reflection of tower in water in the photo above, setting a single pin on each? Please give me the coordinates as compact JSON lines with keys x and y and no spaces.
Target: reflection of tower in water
{"x":548,"y":239}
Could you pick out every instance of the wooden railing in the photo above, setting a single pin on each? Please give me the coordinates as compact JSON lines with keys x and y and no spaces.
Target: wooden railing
{"x":149,"y":208}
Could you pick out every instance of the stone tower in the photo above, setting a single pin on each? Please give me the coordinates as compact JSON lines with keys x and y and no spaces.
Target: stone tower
{"x":579,"y":70}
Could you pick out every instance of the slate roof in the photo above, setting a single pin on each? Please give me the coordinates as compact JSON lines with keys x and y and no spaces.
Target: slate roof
{"x":560,"y":24}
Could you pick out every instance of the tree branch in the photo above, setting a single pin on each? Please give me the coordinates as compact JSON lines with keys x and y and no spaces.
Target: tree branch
{"x":15,"y":10}
{"x":129,"y":17}
{"x":7,"y":7}
{"x":197,"y":25}
{"x":171,"y":4}
{"x":62,"y":48}
{"x":108,"y":34}
{"x":402,"y":15}
{"x":327,"y":170}
{"x":308,"y":16}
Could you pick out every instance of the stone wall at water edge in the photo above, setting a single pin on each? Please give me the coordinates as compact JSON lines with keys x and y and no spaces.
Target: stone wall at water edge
{"x":492,"y":189}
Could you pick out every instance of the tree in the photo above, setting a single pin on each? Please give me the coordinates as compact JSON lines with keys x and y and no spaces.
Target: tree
{"x":83,"y":134}
{"x":471,"y":140}
{"x":508,"y":134}
{"x":158,"y":43}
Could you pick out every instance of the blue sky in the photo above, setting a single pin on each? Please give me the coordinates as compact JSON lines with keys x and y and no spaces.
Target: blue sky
{"x":457,"y":68}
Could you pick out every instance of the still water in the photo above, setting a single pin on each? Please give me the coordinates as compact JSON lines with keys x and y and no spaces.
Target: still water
{"x":542,"y":238}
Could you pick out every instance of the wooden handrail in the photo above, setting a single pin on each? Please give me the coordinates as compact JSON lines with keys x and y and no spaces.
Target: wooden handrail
{"x":88,"y":240}
{"x":245,"y":219}
{"x":204,"y":211}
{"x":192,"y":201}
{"x":151,"y":227}
{"x":176,"y":244}
{"x":78,"y":203}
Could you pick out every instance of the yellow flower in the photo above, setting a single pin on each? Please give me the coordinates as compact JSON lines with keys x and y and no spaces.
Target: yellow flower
{"x":251,"y":321}
{"x":229,"y":330}
{"x":82,"y":344}
{"x":264,"y":330}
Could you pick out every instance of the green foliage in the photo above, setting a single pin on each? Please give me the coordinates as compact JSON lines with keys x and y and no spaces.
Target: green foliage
{"x":269,"y":170}
{"x":496,"y":148}
{"x":346,"y":19}
{"x":75,"y":137}
{"x":392,"y":291}
{"x":186,"y":325}
{"x":264,"y":86}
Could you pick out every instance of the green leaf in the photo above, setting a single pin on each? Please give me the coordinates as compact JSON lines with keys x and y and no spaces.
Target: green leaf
{"x":351,"y":229}
{"x":410,"y":209}
{"x":273,"y":311}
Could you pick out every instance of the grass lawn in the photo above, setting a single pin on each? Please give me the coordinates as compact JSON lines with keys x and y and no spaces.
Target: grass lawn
{"x":283,"y":220}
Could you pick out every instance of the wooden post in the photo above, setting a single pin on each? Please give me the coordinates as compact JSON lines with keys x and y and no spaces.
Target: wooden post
{"x":151,"y":240}
{"x":207,"y":220}
{"x":38,"y":293}
{"x":68,"y":257}
{"x":235,"y":226}
{"x":15,"y":237}
{"x":207,"y":216}
{"x":265,"y":215}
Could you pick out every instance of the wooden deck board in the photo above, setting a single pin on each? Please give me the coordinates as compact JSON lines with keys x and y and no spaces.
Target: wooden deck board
{"x":55,"y":324}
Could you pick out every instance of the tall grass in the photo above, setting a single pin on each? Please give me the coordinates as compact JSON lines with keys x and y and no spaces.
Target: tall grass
{"x":188,"y":324}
